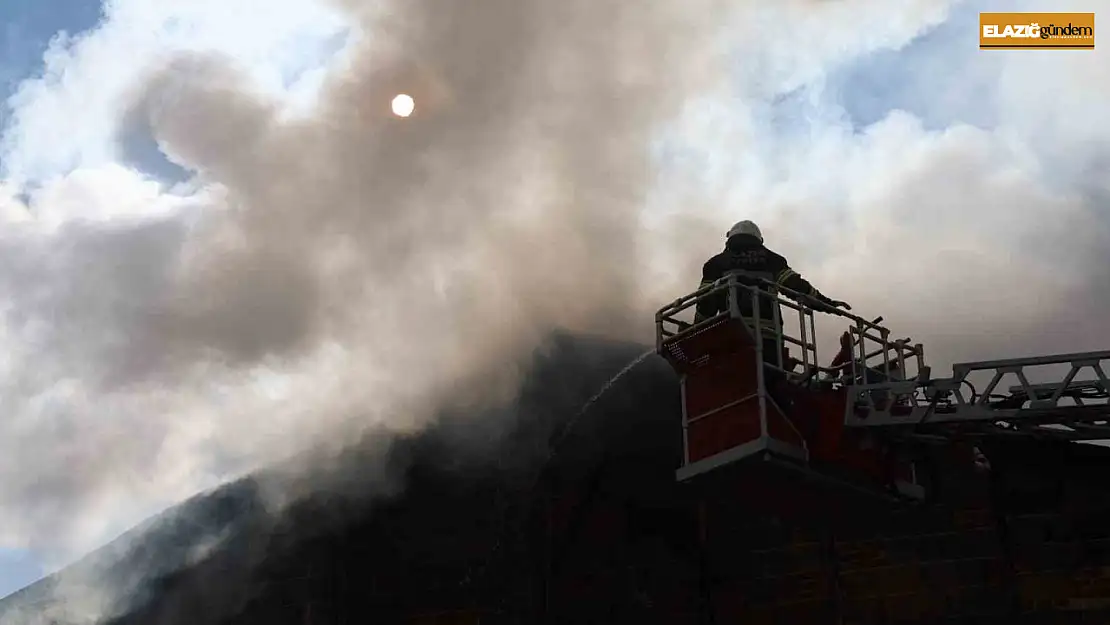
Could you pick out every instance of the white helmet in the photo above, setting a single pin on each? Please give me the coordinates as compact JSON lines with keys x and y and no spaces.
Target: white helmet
{"x":745,"y":227}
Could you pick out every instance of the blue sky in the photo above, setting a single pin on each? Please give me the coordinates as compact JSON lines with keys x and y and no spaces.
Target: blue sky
{"x":26,"y":28}
{"x":17,"y":569}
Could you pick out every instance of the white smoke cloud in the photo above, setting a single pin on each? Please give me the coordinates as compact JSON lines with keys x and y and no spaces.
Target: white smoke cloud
{"x":90,"y":245}
{"x":981,"y":239}
{"x":339,"y":268}
{"x":67,"y":118}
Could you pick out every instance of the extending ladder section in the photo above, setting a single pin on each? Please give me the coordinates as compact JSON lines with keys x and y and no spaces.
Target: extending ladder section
{"x":1073,"y":401}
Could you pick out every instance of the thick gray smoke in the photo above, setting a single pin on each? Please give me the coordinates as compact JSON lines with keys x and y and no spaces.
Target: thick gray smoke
{"x":431,"y":252}
{"x":348,"y":268}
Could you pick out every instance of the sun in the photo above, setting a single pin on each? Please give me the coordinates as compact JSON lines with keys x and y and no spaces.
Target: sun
{"x":403,"y":105}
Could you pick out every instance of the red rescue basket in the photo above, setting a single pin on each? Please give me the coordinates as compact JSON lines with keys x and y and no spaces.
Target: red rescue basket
{"x":749,"y":418}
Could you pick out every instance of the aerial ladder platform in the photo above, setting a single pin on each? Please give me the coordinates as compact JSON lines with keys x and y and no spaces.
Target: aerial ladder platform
{"x":857,"y":421}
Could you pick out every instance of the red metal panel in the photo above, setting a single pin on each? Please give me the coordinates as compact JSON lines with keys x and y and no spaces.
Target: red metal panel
{"x":723,"y":430}
{"x":822,"y":412}
{"x":846,"y":447}
{"x":706,"y":346}
{"x":782,"y":429}
{"x":727,"y":380}
{"x":732,"y":378}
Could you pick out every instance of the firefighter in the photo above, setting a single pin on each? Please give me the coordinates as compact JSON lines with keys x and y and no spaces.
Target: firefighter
{"x":744,"y":251}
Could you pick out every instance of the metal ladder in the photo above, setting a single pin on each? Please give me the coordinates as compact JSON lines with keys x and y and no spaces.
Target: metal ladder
{"x":1064,"y":406}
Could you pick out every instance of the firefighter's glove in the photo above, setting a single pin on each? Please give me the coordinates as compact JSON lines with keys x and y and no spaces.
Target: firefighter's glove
{"x":824,"y":304}
{"x":839,"y":304}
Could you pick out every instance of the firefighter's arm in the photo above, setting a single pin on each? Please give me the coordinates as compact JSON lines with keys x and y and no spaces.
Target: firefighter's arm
{"x":790,"y":279}
{"x":704,"y":308}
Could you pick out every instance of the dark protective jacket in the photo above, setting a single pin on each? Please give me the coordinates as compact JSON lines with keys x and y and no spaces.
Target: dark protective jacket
{"x":746,"y":253}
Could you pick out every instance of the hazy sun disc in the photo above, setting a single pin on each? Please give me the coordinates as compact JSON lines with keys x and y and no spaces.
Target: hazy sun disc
{"x":403,"y":105}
